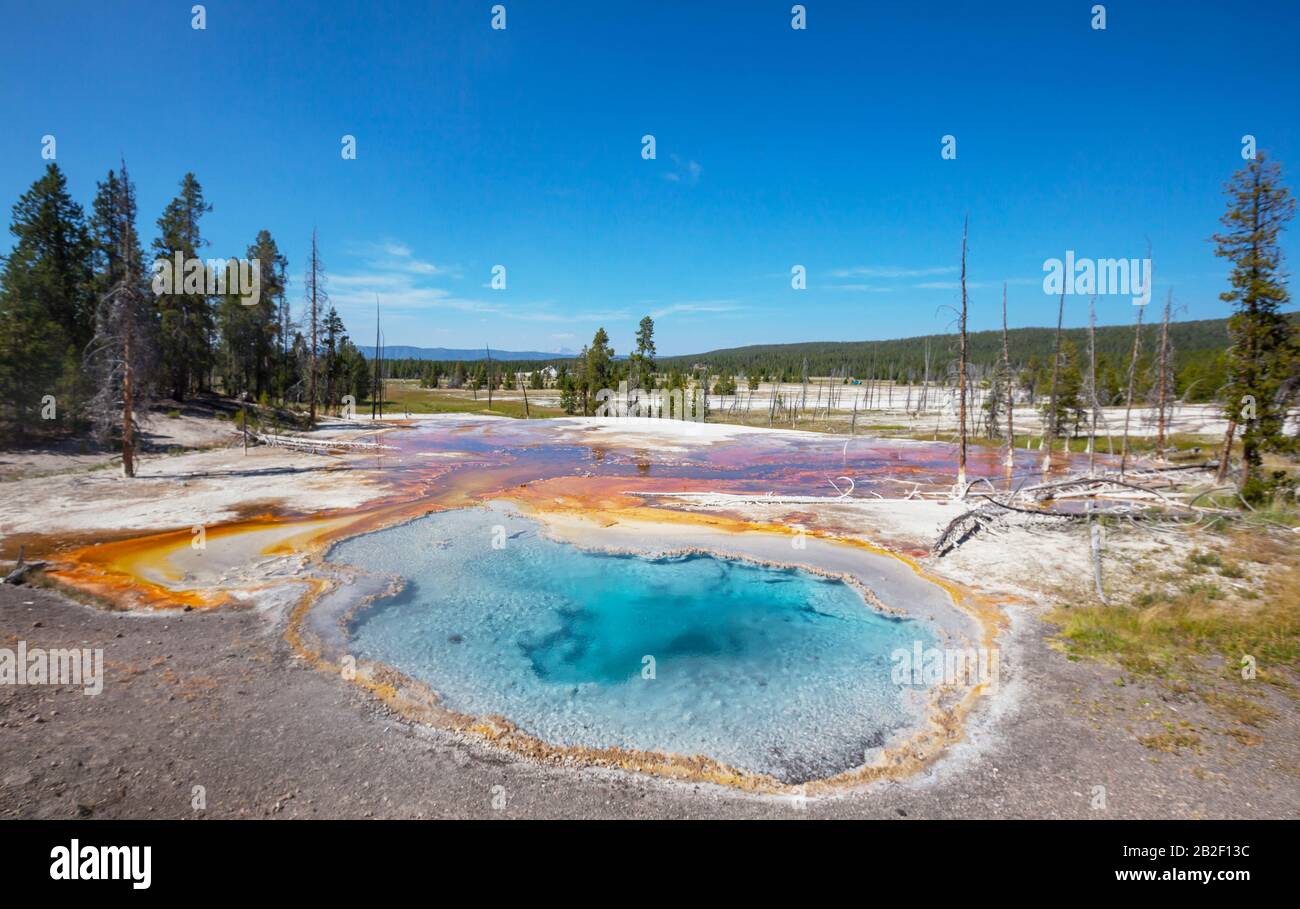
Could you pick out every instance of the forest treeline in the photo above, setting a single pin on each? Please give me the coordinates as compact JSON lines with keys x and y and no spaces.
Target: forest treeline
{"x":87,"y":339}
{"x":83,"y":332}
{"x":1199,"y":355}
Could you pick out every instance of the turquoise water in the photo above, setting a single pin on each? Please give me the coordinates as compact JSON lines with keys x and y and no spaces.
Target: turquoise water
{"x":770,"y":670}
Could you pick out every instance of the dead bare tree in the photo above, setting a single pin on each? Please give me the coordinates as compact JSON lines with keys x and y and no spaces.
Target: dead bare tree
{"x":316,"y":296}
{"x":1222,"y":474}
{"x":1011,"y":385}
{"x":1049,"y":425}
{"x":803,"y":397}
{"x":1093,"y":405}
{"x":961,"y":372}
{"x":124,"y":347}
{"x":1132,"y":377}
{"x":1162,"y":368}
{"x":376,"y":396}
{"x":1094,"y":535}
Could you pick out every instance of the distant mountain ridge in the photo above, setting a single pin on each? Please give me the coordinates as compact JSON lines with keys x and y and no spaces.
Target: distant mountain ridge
{"x":1195,"y":339}
{"x":402,"y":352}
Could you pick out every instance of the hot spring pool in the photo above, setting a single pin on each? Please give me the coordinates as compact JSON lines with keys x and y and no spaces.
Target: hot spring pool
{"x":778,"y":671}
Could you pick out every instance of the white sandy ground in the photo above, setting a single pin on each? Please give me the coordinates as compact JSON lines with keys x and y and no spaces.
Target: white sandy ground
{"x":198,"y":487}
{"x":897,"y":408}
{"x":640,"y":432}
{"x":658,"y":434}
{"x":215,"y":485}
{"x":1034,"y":562}
{"x":179,"y":432}
{"x":1040,"y":564}
{"x":163,"y":435}
{"x":900,"y":406}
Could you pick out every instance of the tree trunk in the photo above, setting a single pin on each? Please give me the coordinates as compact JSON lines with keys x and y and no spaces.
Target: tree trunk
{"x":1222,"y":475}
{"x":311,"y":381}
{"x":1128,"y":406}
{"x":1049,"y":426}
{"x":1011,"y":386}
{"x":961,"y":374}
{"x":1092,"y":386}
{"x":128,"y":402}
{"x":1163,"y":391}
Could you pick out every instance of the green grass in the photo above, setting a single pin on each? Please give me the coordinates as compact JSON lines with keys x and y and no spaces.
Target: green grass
{"x":1174,"y":624}
{"x":1194,"y":636}
{"x":403,"y":396}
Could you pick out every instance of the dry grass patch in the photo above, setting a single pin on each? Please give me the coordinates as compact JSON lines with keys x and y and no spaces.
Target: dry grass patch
{"x":1173,"y":738}
{"x":1194,"y":626}
{"x":1198,"y":611}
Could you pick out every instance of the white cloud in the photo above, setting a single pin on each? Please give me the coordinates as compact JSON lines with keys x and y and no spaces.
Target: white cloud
{"x":887,"y":272}
{"x":687,"y":171}
{"x":403,"y":286}
{"x":394,"y":255}
{"x":973,"y":285}
{"x":701,"y":306}
{"x":863,"y":288}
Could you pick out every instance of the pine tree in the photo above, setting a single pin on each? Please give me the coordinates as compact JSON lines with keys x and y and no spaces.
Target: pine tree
{"x":238,"y":330}
{"x":600,"y":358}
{"x":644,"y":358}
{"x":267,"y":313}
{"x":568,"y":394}
{"x":1263,"y":355}
{"x":106,"y":235}
{"x":285,"y":372}
{"x":335,"y":337}
{"x":187,"y":320}
{"x":596,"y":363}
{"x":46,"y":303}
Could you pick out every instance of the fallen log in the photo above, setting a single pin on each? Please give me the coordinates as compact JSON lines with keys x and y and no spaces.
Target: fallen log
{"x":21,"y":570}
{"x":963,"y":527}
{"x":316,"y":446}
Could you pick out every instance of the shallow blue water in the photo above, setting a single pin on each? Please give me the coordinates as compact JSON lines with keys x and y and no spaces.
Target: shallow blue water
{"x":770,"y":670}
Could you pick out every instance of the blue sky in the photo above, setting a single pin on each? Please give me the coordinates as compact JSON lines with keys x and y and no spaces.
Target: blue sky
{"x":775,"y":147}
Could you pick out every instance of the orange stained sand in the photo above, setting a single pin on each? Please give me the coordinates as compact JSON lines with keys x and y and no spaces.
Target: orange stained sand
{"x":164,"y":570}
{"x":168,"y":569}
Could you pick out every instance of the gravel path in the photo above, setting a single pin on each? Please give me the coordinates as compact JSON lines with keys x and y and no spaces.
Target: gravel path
{"x":217,"y":700}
